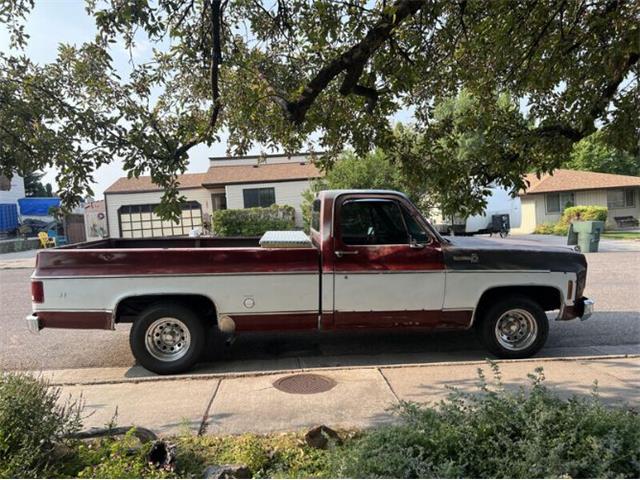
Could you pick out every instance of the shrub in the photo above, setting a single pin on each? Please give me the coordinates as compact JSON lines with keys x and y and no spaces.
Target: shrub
{"x":570,"y":214}
{"x":544,"y":229}
{"x":250,"y":222}
{"x":33,"y":425}
{"x":501,"y":434}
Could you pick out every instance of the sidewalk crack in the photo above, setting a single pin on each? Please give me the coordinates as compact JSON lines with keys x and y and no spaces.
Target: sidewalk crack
{"x":205,"y":417}
{"x":393,"y":392}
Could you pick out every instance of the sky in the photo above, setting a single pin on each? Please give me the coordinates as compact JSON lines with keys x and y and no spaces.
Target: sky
{"x":52,"y":22}
{"x":65,"y":21}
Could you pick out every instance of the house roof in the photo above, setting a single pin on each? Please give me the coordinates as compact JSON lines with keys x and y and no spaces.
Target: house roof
{"x":271,"y":172}
{"x":223,"y":175}
{"x":564,"y":180}
{"x":144,"y":184}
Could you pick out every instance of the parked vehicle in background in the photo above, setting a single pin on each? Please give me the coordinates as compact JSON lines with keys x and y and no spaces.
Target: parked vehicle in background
{"x":501,"y":214}
{"x":372,"y":261}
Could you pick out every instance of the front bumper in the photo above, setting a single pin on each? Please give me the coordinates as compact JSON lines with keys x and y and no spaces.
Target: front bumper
{"x":582,"y":308}
{"x":587,"y":308}
{"x":33,"y":324}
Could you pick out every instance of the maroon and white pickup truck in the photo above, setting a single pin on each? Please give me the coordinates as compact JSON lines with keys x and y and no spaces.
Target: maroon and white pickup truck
{"x":371,"y":261}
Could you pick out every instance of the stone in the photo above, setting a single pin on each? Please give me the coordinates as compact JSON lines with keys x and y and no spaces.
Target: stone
{"x":227,"y":471}
{"x":320,"y":436}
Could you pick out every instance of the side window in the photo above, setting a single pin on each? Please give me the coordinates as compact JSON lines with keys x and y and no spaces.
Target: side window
{"x":416,"y":232}
{"x":315,"y":215}
{"x":372,"y":222}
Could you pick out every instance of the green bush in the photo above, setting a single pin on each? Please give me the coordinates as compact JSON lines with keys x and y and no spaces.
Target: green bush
{"x":570,"y":214}
{"x":33,"y":425}
{"x":252,"y":222}
{"x":501,"y":434}
{"x":544,"y":229}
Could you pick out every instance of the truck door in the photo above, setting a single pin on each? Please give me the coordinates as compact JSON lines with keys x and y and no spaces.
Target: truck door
{"x":388,"y":269}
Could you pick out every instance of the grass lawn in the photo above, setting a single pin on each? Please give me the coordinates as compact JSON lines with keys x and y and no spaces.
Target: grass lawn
{"x":621,"y":235}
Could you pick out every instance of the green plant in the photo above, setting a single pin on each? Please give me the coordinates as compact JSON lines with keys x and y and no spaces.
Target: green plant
{"x":115,"y":458}
{"x":544,"y":229}
{"x":251,"y":222}
{"x":497,"y":433}
{"x":34,"y":425}
{"x":570,"y":214}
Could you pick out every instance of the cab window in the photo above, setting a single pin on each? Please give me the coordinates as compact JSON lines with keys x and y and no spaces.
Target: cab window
{"x":416,"y":232}
{"x":372,"y":222}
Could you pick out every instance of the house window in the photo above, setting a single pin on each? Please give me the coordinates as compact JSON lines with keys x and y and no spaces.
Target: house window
{"x":557,"y":202}
{"x":620,"y":198}
{"x":219,"y":201}
{"x":259,"y":197}
{"x":140,"y":221}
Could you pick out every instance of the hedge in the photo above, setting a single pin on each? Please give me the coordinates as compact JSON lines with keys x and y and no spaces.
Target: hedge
{"x":570,"y":214}
{"x":252,"y":222}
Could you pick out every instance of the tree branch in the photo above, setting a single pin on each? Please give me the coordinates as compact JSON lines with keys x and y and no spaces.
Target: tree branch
{"x":352,"y":62}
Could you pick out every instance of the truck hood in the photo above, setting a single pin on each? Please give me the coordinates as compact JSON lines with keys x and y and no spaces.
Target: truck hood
{"x":471,"y":253}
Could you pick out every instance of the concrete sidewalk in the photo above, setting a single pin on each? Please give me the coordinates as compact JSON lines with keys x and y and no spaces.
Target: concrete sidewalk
{"x":249,"y":402}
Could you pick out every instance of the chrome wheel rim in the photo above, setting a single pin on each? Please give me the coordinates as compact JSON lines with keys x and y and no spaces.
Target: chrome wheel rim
{"x":516,"y":329}
{"x":168,"y":339}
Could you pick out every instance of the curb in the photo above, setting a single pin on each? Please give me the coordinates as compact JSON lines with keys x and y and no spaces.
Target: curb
{"x":220,"y":376}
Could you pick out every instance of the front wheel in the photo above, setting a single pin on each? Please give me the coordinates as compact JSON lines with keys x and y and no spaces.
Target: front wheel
{"x":516,"y":327}
{"x":167,"y":338}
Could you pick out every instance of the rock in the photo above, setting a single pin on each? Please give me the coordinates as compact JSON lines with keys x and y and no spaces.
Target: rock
{"x":320,"y":436}
{"x":162,"y":456}
{"x":227,"y":471}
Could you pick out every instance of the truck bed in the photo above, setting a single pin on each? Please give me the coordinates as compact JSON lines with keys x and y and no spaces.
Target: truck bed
{"x":166,"y":242}
{"x":173,"y":256}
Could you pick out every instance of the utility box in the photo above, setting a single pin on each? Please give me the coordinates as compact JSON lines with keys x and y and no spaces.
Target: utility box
{"x":586,"y":235}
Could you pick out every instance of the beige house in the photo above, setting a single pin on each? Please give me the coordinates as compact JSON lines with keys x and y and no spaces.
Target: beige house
{"x":545,"y":199}
{"x":230,"y":182}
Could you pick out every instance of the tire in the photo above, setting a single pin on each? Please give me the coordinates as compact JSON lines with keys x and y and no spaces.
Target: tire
{"x":516,"y":327}
{"x":175,"y":352}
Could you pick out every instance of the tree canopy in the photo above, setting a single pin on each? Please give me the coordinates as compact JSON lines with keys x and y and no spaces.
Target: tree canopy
{"x":595,"y":155}
{"x":279,"y":74}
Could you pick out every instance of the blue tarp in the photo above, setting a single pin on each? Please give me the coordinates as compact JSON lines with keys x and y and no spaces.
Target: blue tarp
{"x":8,"y":217}
{"x":37,"y":206}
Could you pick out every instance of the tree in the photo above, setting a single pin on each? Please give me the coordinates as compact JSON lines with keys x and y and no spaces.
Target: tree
{"x":278,"y":73}
{"x":34,"y":187}
{"x":374,"y":170}
{"x":471,"y":144}
{"x":594,"y":155}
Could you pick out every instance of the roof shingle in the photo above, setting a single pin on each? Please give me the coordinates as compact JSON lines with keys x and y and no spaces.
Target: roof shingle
{"x":564,"y":180}
{"x":223,"y":175}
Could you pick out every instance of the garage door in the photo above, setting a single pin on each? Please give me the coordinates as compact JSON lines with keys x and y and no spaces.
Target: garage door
{"x":140,"y":221}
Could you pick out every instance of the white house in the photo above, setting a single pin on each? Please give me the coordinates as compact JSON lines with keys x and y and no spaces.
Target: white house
{"x":11,"y":190}
{"x":230,"y":182}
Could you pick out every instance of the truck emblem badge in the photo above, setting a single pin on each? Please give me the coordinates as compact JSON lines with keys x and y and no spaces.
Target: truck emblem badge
{"x":473,"y":258}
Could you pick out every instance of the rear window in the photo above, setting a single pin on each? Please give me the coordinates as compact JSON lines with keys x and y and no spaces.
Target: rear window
{"x":315,"y":215}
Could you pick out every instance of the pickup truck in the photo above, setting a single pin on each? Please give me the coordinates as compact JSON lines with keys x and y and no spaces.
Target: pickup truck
{"x":372,"y":261}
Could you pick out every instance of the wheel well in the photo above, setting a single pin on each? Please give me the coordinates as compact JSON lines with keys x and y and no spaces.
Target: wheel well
{"x":549,"y":298}
{"x":129,"y":308}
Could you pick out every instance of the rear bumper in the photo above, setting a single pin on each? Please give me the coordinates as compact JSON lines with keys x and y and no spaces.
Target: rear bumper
{"x":583,"y":308}
{"x":77,"y":320}
{"x":33,"y":324}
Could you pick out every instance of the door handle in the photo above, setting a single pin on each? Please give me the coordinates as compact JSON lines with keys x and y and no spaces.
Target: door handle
{"x":342,"y":253}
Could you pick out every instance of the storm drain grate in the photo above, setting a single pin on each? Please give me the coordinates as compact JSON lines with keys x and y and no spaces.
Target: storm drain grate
{"x":304,"y":384}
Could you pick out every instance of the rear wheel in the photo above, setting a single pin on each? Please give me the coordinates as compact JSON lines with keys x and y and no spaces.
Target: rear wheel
{"x":167,"y":338}
{"x":516,"y":327}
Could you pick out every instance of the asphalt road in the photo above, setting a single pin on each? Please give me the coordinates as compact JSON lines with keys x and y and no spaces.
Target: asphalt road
{"x":613,"y":281}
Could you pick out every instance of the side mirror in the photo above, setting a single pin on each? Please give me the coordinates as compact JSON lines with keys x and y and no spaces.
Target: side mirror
{"x":414,"y":244}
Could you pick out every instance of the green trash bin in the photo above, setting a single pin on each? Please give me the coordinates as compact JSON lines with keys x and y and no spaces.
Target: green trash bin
{"x":586,"y":235}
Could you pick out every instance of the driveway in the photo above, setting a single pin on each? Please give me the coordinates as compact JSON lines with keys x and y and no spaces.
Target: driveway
{"x":614,"y":282}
